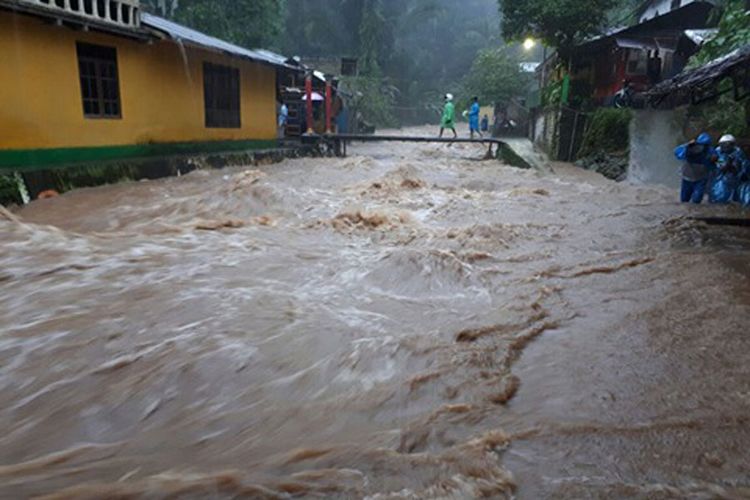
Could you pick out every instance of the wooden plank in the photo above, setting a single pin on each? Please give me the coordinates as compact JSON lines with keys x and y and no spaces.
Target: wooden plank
{"x":409,"y":138}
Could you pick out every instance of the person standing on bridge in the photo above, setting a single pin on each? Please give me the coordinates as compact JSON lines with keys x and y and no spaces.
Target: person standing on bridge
{"x":448,"y":121}
{"x":697,"y":165}
{"x":474,"y":117}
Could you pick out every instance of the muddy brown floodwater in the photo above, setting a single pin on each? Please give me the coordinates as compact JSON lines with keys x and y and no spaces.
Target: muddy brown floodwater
{"x":407,"y":322}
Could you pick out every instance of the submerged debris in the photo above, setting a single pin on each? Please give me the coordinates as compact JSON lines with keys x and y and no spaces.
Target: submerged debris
{"x":215,"y":225}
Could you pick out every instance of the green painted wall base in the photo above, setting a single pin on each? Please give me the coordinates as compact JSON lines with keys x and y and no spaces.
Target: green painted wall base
{"x":25,"y":160}
{"x":62,"y":178}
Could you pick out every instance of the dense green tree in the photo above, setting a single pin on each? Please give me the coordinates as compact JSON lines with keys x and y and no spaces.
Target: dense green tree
{"x":249,"y":23}
{"x":623,"y":13}
{"x":373,"y":35}
{"x":734,"y":32}
{"x":424,"y":48}
{"x":725,"y":113}
{"x":558,"y":23}
{"x":164,"y":8}
{"x":495,"y":77}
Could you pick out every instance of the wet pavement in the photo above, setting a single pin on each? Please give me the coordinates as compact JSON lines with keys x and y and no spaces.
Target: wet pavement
{"x":407,"y":322}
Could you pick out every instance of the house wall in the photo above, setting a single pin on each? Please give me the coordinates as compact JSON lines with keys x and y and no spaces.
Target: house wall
{"x":161,"y":92}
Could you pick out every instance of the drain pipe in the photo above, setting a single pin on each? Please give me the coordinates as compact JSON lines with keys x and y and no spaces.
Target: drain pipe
{"x":22,"y":189}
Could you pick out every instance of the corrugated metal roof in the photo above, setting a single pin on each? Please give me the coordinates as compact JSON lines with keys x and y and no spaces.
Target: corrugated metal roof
{"x":693,"y":15}
{"x":186,"y":35}
{"x":689,"y":81}
{"x":699,"y":37}
{"x":283,"y":60}
{"x":278,"y":58}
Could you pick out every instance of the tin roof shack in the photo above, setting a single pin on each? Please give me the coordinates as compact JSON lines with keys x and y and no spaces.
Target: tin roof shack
{"x":666,"y":122}
{"x":645,"y":54}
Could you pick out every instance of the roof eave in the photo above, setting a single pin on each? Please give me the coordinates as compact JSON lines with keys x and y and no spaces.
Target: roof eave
{"x":657,"y":24}
{"x":154,"y":25}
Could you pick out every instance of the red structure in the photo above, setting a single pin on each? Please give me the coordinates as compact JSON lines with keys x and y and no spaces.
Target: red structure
{"x":329,"y":102}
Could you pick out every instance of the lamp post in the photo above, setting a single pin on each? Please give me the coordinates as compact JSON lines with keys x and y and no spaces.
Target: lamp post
{"x":529,"y":44}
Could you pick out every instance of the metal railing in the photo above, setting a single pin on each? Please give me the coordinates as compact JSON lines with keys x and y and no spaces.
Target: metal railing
{"x":123,"y":13}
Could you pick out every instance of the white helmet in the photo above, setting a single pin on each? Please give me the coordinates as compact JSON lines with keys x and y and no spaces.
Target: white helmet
{"x":448,"y":97}
{"x":726,"y":139}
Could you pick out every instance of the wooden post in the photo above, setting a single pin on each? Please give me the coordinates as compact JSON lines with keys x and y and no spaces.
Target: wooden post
{"x":308,"y":94}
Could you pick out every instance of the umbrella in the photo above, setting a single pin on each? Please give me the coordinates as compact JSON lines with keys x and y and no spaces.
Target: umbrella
{"x":315,"y":97}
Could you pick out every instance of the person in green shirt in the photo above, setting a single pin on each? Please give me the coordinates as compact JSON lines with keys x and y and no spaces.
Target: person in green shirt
{"x":449,"y":116}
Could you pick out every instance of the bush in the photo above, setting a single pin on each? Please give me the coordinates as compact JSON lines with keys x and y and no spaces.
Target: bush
{"x":9,"y":194}
{"x":608,"y":131}
{"x":734,"y":32}
{"x":724,"y":115}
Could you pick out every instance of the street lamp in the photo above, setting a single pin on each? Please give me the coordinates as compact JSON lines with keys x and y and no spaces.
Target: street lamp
{"x":529,"y":44}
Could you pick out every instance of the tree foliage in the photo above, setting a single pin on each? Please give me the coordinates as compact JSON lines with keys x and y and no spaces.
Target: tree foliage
{"x":249,"y":23}
{"x":734,"y":32}
{"x":608,"y":131}
{"x":422,"y":47}
{"x":726,"y":114}
{"x":495,"y":77}
{"x":623,"y":13}
{"x":558,"y":23}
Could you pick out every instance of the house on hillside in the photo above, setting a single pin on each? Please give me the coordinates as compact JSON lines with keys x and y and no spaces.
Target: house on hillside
{"x":91,"y":81}
{"x":669,"y":32}
{"x":655,"y":49}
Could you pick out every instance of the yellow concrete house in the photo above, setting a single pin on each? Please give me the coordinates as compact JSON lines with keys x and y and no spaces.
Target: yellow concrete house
{"x":93,"y":80}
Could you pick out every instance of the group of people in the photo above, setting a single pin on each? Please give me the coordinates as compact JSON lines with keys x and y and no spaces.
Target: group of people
{"x":723,"y":172}
{"x":448,"y":120}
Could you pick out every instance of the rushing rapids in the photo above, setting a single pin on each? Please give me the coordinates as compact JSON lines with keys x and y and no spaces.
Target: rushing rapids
{"x":407,"y":322}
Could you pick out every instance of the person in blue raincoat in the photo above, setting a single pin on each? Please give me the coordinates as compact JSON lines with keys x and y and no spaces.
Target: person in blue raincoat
{"x":474,"y":118}
{"x":697,"y":165}
{"x":742,"y":193}
{"x":731,"y":166}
